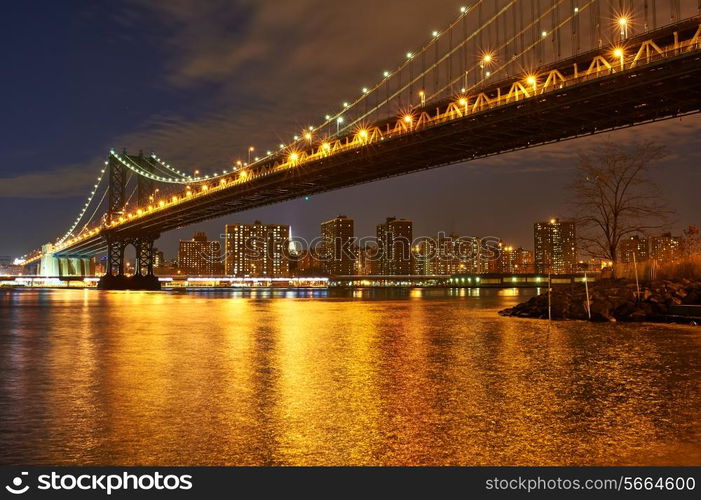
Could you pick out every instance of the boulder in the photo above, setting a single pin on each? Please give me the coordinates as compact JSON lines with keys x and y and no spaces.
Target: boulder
{"x":611,"y":300}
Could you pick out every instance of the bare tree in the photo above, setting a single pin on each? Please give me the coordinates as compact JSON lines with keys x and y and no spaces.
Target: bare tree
{"x":691,"y":242}
{"x":614,"y":197}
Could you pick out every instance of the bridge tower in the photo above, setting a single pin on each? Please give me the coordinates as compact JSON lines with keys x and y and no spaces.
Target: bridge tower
{"x":117,"y":176}
{"x":117,"y":242}
{"x":143,"y":242}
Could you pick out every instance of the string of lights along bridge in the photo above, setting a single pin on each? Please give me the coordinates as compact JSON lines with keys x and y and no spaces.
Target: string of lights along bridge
{"x":503,"y":75}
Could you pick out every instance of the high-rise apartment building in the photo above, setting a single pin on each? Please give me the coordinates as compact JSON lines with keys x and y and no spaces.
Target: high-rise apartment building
{"x":199,"y":256}
{"x":555,"y":247}
{"x":368,"y":259}
{"x":425,"y":257}
{"x":515,"y":260}
{"x":158,"y":258}
{"x":394,"y":238}
{"x":257,"y":250}
{"x":337,"y":246}
{"x":666,"y":248}
{"x":632,"y":249}
{"x":452,"y":254}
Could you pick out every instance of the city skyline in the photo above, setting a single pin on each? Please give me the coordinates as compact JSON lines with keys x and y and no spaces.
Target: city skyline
{"x":337,"y":250}
{"x":203,"y":255}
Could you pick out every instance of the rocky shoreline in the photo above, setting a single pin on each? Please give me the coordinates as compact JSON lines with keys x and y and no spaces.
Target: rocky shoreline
{"x":611,"y":300}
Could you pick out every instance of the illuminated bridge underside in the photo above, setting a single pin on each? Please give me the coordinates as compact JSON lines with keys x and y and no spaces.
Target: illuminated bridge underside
{"x":660,"y":89}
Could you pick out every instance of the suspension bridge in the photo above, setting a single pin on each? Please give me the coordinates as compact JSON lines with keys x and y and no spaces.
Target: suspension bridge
{"x":505,"y":75}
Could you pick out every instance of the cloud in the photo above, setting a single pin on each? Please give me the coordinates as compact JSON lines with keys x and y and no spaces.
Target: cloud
{"x":270,"y":68}
{"x":66,"y":182}
{"x":214,"y":41}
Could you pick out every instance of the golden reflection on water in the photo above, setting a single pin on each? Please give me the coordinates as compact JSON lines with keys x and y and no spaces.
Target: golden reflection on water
{"x":401,"y":377}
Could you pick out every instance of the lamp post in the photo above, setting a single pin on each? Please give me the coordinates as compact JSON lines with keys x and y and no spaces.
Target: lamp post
{"x":339,"y":120}
{"x":463,"y":102}
{"x":620,"y":54}
{"x":623,"y":23}
{"x":486,"y":60}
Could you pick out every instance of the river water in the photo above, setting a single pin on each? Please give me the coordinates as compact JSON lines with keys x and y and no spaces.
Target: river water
{"x":334,"y":378}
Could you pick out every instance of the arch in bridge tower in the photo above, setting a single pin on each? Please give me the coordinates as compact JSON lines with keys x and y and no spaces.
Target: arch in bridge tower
{"x":143,"y":278}
{"x":115,"y":256}
{"x":144,"y":255}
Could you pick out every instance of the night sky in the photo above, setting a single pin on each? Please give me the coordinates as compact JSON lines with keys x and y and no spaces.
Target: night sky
{"x":197,"y":82}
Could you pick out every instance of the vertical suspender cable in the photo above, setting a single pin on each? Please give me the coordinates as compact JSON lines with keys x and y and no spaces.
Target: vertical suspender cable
{"x":496,"y":27}
{"x":450,"y":61}
{"x":646,"y":15}
{"x":536,"y":31}
{"x":479,"y":23}
{"x":436,"y":71}
{"x":557,"y":33}
{"x":411,"y":81}
{"x":599,"y":41}
{"x":423,"y":71}
{"x":464,"y":49}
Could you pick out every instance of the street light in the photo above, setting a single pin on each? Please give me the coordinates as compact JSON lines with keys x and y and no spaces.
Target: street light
{"x":618,"y":52}
{"x":623,"y":23}
{"x":422,"y":95}
{"x":486,"y":60}
{"x":251,"y":149}
{"x":463,"y":102}
{"x":532,"y":81}
{"x":339,"y":120}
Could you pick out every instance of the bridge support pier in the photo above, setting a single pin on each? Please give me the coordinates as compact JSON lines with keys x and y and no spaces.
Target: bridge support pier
{"x":143,"y":278}
{"x":49,"y":265}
